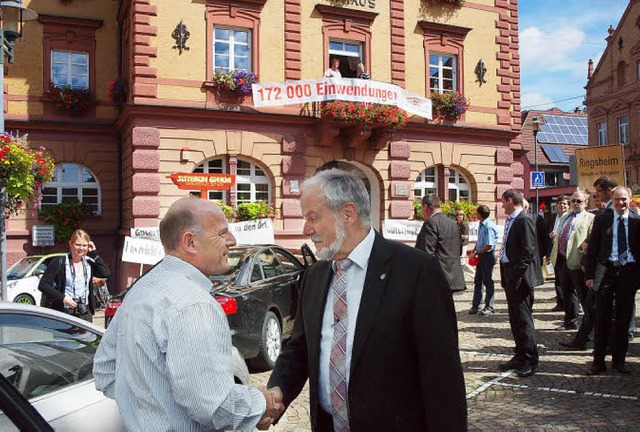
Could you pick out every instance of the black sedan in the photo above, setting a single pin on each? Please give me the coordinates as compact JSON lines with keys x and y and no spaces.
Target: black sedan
{"x":259,"y":296}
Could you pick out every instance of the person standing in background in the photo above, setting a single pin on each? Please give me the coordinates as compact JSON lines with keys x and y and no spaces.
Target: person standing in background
{"x":485,"y":251}
{"x":463,"y":226}
{"x":562,"y":206}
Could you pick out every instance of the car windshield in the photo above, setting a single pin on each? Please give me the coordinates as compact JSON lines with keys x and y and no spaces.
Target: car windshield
{"x":236,"y":258}
{"x":22,"y":267}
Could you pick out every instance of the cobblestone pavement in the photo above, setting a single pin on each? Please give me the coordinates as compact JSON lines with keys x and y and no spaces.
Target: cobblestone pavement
{"x":559,"y":397}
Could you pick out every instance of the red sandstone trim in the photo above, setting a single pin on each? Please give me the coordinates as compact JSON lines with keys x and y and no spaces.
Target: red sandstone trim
{"x":142,"y":35}
{"x":398,"y":63}
{"x":292,"y":40}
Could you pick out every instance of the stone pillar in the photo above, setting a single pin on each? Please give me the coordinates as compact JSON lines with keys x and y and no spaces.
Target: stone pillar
{"x":293,"y":171}
{"x":233,"y":170}
{"x":503,"y":178}
{"x":146,"y":180}
{"x":400,"y":205}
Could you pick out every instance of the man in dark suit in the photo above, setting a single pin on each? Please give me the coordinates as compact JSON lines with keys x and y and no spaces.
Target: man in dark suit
{"x":391,"y":361}
{"x":613,"y":271}
{"x":440,"y":237}
{"x":562,"y":206}
{"x":520,"y":272}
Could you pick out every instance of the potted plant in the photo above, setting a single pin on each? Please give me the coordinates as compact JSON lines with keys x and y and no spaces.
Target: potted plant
{"x":237,"y":81}
{"x":118,"y":91}
{"x":254,"y":210}
{"x":65,"y":217}
{"x":449,"y":106}
{"x":23,"y":172}
{"x":69,"y":99}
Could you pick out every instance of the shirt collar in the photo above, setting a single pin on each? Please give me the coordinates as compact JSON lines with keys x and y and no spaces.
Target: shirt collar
{"x":361,"y":253}
{"x":176,"y":264}
{"x":624,"y":215}
{"x":515,"y":213}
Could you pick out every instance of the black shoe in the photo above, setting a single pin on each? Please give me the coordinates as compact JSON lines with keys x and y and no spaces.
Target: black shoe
{"x":596,"y":368}
{"x":526,"y":371}
{"x":473,"y":311}
{"x":511,"y":364}
{"x":621,"y":367}
{"x":557,"y":308}
{"x":574,"y":346}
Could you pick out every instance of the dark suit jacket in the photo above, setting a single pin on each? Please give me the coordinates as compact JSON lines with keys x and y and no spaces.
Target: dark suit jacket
{"x":601,"y":240}
{"x":522,"y":253}
{"x":440,"y":236}
{"x":405,"y":371}
{"x":544,"y":241}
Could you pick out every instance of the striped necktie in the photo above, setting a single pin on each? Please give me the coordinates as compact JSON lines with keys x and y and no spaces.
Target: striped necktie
{"x":338,"y":358}
{"x":564,"y":236}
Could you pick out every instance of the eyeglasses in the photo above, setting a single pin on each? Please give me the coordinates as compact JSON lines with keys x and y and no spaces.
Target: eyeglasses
{"x":576,"y":201}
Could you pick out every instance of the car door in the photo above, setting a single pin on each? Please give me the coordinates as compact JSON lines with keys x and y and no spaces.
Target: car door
{"x":50,"y":361}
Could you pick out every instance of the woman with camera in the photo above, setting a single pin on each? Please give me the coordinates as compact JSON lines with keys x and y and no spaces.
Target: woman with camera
{"x":67,"y":283}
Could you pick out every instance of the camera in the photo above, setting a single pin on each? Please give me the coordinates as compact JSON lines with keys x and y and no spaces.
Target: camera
{"x":82,"y":308}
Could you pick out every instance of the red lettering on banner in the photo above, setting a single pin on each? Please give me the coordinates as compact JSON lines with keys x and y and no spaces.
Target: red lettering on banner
{"x":320,"y":89}
{"x":350,"y":90}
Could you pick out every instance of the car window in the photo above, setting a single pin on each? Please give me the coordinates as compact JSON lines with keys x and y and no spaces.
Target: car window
{"x":21,"y":268}
{"x":256,"y":273}
{"x":270,"y":264}
{"x":39,"y":355}
{"x":287,"y":262}
{"x":43,"y":265}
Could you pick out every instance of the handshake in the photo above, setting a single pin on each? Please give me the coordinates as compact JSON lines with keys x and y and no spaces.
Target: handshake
{"x":275,"y":407}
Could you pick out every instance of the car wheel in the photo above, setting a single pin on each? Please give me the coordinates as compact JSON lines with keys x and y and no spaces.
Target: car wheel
{"x":270,"y":343}
{"x":24,"y":299}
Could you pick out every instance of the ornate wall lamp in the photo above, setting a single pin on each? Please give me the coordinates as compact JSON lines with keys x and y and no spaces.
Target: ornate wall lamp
{"x":181,"y":35}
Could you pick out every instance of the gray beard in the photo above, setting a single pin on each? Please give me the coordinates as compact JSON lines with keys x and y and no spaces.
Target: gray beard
{"x":327,"y":253}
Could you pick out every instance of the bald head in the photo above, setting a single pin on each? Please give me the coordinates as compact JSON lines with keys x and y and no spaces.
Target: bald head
{"x":184,"y":215}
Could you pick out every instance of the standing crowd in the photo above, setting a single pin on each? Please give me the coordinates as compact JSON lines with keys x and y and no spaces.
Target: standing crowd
{"x":375,"y":334}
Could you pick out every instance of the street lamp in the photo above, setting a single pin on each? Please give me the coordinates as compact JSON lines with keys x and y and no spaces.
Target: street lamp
{"x":536,"y":124}
{"x":12,"y":15}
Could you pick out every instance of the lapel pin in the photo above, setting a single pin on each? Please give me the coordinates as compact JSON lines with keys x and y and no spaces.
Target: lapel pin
{"x":382,"y":276}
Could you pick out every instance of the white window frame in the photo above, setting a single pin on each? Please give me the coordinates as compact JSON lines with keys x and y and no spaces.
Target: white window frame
{"x":232,"y":44}
{"x":78,"y":184}
{"x":344,"y":52}
{"x":207,"y":167}
{"x":460,"y":185}
{"x":252,"y":179}
{"x":70,"y":65}
{"x":440,"y":68}
{"x":601,"y":128}
{"x":426,"y":183}
{"x":623,"y":130}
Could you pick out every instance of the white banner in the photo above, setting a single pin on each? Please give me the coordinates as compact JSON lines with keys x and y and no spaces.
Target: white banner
{"x":399,"y":229}
{"x":348,"y":89}
{"x":259,"y":231}
{"x":142,"y":251}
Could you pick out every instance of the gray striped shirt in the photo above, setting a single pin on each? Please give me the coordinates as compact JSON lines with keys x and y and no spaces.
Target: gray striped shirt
{"x":166,"y":357}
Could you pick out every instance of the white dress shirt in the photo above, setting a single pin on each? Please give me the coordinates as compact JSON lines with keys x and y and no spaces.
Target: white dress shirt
{"x":166,"y":357}
{"x":503,"y":256}
{"x":614,"y":246}
{"x":355,"y":285}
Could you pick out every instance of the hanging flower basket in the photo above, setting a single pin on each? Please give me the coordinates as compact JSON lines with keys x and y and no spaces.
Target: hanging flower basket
{"x":449,"y":106}
{"x":118,"y":91}
{"x":366,"y":113}
{"x":23,"y":171}
{"x":72,"y":100}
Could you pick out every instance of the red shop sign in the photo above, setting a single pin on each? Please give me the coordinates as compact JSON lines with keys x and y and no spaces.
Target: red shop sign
{"x":203,"y":182}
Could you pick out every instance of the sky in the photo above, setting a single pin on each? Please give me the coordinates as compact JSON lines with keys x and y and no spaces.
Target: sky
{"x":557,"y":39}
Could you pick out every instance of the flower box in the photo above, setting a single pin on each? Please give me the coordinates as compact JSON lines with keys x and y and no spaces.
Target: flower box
{"x":72,"y":100}
{"x":448,"y":106}
{"x":364,"y":113}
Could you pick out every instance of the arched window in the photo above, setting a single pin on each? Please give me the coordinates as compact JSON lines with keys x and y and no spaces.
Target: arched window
{"x":73,"y":183}
{"x":426,"y":183}
{"x":458,"y":186}
{"x":252,"y":183}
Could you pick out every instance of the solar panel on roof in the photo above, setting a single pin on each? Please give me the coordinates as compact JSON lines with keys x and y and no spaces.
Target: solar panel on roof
{"x":563,"y":130}
{"x":555,"y":154}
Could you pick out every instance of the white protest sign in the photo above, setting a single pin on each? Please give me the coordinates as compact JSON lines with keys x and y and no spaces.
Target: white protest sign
{"x":142,"y":251}
{"x":398,"y":229}
{"x":150,"y":233}
{"x":259,"y":231}
{"x":347,"y":89}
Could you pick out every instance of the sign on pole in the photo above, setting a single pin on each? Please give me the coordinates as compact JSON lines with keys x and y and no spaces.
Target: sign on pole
{"x":537,"y":179}
{"x":43,"y":235}
{"x":142,"y":251}
{"x":594,"y":162}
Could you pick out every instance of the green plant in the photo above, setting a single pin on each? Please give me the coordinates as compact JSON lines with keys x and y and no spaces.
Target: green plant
{"x":71,"y":99}
{"x":65,"y":217}
{"x":449,"y":208}
{"x":254,"y":210}
{"x":345,"y":111}
{"x":117,"y":91}
{"x":238,"y":81}
{"x":229,"y":212}
{"x":449,"y":106}
{"x":23,"y":171}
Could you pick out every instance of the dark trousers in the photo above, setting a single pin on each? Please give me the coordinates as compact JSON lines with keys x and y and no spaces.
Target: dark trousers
{"x":587,"y":300}
{"x":569,"y":291}
{"x":325,"y":421}
{"x":559,"y":297}
{"x":484,"y":276}
{"x":520,"y":304}
{"x":614,"y":301}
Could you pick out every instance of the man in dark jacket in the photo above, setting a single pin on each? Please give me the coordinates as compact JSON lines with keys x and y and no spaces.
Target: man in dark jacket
{"x":440,"y":236}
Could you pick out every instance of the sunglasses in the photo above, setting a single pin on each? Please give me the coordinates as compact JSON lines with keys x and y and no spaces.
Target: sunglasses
{"x":577,"y":201}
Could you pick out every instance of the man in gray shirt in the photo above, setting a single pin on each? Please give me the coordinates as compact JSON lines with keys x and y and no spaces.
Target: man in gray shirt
{"x":166,"y":357}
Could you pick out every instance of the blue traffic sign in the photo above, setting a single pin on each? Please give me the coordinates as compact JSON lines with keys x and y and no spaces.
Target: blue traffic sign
{"x":537,"y":179}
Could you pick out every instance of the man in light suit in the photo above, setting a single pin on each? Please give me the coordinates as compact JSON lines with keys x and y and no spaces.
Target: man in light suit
{"x":613,"y":272}
{"x":520,"y":272}
{"x":390,"y":362}
{"x":440,"y":237}
{"x":566,"y":255}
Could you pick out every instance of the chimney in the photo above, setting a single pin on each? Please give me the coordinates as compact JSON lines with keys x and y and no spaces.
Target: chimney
{"x":590,"y":70}
{"x":577,"y":110}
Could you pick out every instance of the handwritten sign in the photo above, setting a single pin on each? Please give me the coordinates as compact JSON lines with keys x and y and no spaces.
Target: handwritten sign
{"x":203,"y":182}
{"x":259,"y":231}
{"x":149,"y":233}
{"x":142,"y":251}
{"x":398,"y":229}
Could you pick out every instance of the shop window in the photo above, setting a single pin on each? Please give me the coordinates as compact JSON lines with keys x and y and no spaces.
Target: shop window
{"x":602,"y":133}
{"x":70,"y":68}
{"x":232,"y":49}
{"x":426,"y":183}
{"x":72,"y":183}
{"x":623,"y":130}
{"x":458,"y":186}
{"x":349,"y":54}
{"x":442,"y":73}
